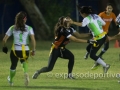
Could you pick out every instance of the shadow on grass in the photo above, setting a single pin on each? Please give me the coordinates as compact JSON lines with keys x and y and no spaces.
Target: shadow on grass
{"x":51,"y":87}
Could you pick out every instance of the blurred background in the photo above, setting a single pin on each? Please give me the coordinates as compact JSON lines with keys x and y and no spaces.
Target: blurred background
{"x":44,"y":14}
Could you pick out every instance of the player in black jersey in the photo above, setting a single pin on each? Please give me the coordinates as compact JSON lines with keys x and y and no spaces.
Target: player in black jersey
{"x":63,"y":34}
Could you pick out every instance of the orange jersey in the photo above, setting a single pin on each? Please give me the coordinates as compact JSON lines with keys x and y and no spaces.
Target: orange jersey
{"x":107,"y":20}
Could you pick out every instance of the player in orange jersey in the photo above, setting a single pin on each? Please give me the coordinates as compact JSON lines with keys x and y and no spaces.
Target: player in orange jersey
{"x":107,"y":16}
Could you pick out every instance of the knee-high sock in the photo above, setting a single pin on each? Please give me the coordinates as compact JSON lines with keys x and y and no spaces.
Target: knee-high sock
{"x":25,"y":67}
{"x":100,"y":61}
{"x":12,"y":74}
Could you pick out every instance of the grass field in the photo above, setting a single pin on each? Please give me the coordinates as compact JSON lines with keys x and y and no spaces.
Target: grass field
{"x":86,"y":79}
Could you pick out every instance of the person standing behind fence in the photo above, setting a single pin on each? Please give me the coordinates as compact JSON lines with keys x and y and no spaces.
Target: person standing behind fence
{"x":20,"y":48}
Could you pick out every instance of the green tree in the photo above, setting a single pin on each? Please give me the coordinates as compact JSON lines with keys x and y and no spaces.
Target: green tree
{"x":44,"y":14}
{"x":53,"y":9}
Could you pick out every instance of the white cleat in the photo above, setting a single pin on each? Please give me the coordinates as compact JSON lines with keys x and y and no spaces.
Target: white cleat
{"x":10,"y":83}
{"x":26,"y":79}
{"x":71,"y":77}
{"x":105,"y":69}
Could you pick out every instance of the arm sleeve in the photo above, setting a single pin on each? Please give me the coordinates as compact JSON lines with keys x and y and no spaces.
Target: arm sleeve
{"x":31,"y":32}
{"x":10,"y":31}
{"x":85,"y":22}
{"x":65,"y":33}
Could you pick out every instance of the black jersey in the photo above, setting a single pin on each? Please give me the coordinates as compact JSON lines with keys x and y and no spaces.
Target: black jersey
{"x":62,"y":35}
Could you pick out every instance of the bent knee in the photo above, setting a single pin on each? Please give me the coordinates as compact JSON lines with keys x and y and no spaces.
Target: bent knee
{"x":92,"y":56}
{"x":49,"y":69}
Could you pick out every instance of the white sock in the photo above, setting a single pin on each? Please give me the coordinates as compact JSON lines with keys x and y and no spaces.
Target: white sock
{"x":100,"y":61}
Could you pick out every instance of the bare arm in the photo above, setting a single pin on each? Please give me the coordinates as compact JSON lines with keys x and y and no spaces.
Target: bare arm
{"x":5,"y":40}
{"x":76,"y":23}
{"x":82,"y":35}
{"x":116,"y":37}
{"x":72,"y":38}
{"x":33,"y":42}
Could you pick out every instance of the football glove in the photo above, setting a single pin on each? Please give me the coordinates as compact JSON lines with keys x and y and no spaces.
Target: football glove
{"x":5,"y":49}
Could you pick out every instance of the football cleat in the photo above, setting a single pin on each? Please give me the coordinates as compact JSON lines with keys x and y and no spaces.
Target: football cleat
{"x":10,"y":83}
{"x":70,"y":77}
{"x":86,"y":55}
{"x":95,"y":66}
{"x":105,"y":69}
{"x":35,"y":75}
{"x":26,"y":79}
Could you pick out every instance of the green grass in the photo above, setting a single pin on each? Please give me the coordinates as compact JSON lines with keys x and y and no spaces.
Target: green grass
{"x":86,"y":79}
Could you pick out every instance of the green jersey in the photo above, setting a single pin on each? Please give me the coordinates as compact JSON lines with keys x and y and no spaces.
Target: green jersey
{"x":94,"y":23}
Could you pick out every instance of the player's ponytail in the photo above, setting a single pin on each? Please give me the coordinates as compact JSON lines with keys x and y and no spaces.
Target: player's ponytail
{"x":20,"y":21}
{"x":90,"y":10}
{"x":85,"y":9}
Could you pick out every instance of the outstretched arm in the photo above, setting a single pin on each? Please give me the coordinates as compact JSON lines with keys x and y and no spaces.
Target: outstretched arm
{"x":82,"y":35}
{"x":116,"y":37}
{"x":72,"y":38}
{"x":75,"y":23}
{"x":81,"y":40}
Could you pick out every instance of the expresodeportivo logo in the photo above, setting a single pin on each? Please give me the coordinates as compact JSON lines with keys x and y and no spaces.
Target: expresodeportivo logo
{"x":83,"y":75}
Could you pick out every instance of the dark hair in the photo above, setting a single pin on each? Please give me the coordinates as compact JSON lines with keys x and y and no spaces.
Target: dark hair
{"x":58,"y":24}
{"x":19,"y":21}
{"x":85,"y":9}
